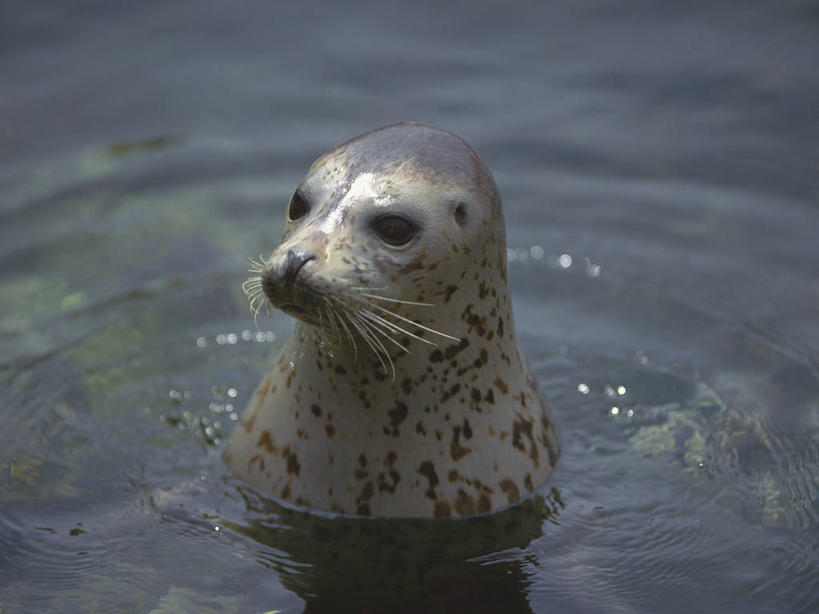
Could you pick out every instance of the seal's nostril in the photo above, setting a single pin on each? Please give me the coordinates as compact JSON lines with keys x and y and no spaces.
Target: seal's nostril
{"x":293,"y":264}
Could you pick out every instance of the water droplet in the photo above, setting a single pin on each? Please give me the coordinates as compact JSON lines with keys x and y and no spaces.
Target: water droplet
{"x":565,"y":261}
{"x":232,"y":393}
{"x":608,"y":390}
{"x":536,"y":251}
{"x":583,"y":389}
{"x":247,"y":335}
{"x":232,"y":338}
{"x":201,"y":342}
{"x":221,"y":339}
{"x":615,"y":410}
{"x":621,"y":390}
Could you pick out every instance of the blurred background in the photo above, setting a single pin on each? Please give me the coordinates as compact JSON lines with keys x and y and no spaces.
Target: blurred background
{"x":659,"y":164}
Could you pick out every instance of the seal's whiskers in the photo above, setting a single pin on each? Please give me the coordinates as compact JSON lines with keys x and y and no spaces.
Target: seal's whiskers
{"x":349,"y":334}
{"x":395,"y":300}
{"x":394,"y":327}
{"x":255,"y":296}
{"x":257,"y":266}
{"x":376,"y":326}
{"x":408,"y":321}
{"x":359,"y":325}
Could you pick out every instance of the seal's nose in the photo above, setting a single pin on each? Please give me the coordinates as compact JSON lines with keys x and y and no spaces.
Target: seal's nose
{"x":293,"y":264}
{"x":279,"y":277}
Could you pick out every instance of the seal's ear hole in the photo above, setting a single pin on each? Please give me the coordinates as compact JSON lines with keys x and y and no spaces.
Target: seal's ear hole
{"x":297,"y":208}
{"x":460,"y":214}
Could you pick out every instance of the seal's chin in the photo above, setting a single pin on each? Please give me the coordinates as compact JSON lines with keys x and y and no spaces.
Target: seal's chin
{"x":301,"y":312}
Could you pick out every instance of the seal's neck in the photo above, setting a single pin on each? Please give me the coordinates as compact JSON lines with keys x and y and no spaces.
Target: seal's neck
{"x":479,"y":340}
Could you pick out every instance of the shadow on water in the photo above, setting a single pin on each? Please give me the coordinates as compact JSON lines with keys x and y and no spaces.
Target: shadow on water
{"x":400,"y":565}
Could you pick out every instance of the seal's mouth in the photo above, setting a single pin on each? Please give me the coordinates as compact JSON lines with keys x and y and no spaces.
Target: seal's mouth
{"x":292,"y":310}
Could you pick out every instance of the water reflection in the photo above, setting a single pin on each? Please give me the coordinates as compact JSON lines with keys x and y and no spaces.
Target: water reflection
{"x":399,"y":565}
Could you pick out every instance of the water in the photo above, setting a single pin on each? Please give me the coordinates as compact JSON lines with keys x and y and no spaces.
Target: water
{"x":659,"y":171}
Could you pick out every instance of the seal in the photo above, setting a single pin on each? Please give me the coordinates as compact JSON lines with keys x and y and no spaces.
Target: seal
{"x":402,"y":391}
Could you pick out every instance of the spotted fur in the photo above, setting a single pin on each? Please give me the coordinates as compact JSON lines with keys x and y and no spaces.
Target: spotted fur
{"x":458,"y":428}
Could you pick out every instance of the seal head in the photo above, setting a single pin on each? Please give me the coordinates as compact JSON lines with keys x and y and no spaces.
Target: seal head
{"x":402,"y":391}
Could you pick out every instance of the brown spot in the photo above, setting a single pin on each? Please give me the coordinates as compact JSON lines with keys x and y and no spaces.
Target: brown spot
{"x":330,"y":430}
{"x":406,"y":386}
{"x":256,"y":458}
{"x":451,"y":392}
{"x":454,"y":475}
{"x":266,"y":441}
{"x":523,"y":428}
{"x":501,"y":385}
{"x":442,"y":510}
{"x":363,"y":510}
{"x":465,"y":505}
{"x":419,"y":428}
{"x":500,"y":327}
{"x":362,"y":460}
{"x":366,"y":493}
{"x":390,"y":460}
{"x":383,"y":485}
{"x":483,"y":290}
{"x":397,"y":414}
{"x":484,"y":504}
{"x":316,"y":410}
{"x":250,"y":422}
{"x":527,"y":483}
{"x":450,"y":290}
{"x":474,"y":321}
{"x":293,"y":466}
{"x":490,"y":396}
{"x":467,"y":429}
{"x":290,"y":379}
{"x":286,"y":491}
{"x":476,"y":395}
{"x":340,"y":370}
{"x":427,"y":469}
{"x":510,"y":489}
{"x":436,"y":356}
{"x":452,"y":350}
{"x":411,"y":266}
{"x":456,"y":450}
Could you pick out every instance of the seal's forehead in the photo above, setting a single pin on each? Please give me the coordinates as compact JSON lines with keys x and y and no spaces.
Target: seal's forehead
{"x":436,"y":155}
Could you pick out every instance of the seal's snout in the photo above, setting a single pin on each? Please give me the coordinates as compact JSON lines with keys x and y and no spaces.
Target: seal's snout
{"x":278,"y":280}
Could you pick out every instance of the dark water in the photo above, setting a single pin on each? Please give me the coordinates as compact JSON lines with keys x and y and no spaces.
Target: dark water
{"x":659,"y":164}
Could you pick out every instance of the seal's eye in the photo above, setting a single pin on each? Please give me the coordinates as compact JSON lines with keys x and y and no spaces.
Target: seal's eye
{"x":394,"y":230}
{"x":297,"y":207}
